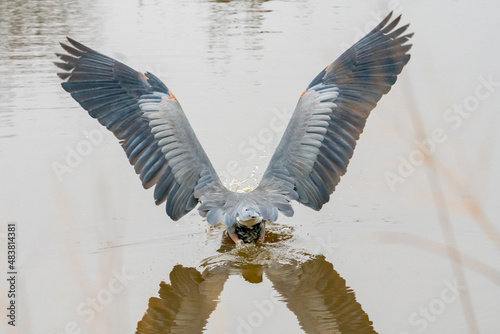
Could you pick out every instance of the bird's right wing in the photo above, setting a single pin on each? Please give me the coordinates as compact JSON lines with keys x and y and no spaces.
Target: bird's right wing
{"x":331,"y":113}
{"x":149,"y":122}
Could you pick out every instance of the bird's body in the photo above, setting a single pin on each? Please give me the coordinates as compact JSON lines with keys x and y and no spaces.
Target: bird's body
{"x":310,"y":159}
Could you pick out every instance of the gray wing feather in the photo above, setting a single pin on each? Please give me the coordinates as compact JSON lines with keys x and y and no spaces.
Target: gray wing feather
{"x":147,"y":119}
{"x":330,"y":116}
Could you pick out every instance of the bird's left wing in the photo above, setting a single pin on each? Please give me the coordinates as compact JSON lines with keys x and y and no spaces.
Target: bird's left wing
{"x":147,"y":119}
{"x":331,"y":113}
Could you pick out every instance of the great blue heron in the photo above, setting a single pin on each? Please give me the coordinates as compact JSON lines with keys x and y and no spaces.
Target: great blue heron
{"x":310,"y":159}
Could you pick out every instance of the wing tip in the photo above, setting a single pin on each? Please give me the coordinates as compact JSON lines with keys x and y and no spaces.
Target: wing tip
{"x":386,"y":19}
{"x":63,"y":66}
{"x":386,"y":26}
{"x":71,"y":50}
{"x":78,"y":45}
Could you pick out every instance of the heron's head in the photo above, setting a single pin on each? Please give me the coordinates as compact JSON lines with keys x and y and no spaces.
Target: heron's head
{"x":249,"y":216}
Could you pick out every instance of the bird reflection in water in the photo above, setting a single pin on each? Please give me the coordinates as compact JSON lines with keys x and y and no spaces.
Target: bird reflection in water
{"x":309,"y":286}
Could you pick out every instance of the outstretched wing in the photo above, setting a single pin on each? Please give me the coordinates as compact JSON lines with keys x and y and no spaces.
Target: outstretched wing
{"x":147,"y":119}
{"x":331,"y":113}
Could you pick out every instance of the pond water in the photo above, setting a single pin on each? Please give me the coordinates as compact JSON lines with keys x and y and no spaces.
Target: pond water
{"x":409,"y":243}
